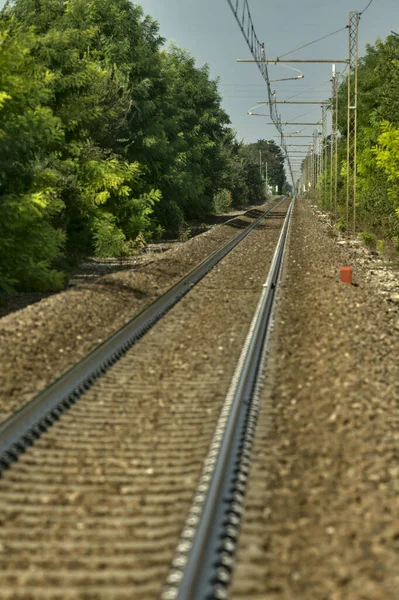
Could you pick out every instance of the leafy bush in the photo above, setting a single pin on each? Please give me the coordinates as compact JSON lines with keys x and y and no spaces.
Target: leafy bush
{"x":109,"y":240}
{"x":170,"y":214}
{"x":377,"y":198}
{"x":107,"y":139}
{"x":222,"y":201}
{"x":184,"y":232}
{"x":380,"y":246}
{"x":368,"y":239}
{"x":29,"y":246}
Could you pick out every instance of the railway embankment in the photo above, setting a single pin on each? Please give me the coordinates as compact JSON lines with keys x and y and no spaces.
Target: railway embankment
{"x":95,"y":508}
{"x":321,"y":518}
{"x":43,"y":340}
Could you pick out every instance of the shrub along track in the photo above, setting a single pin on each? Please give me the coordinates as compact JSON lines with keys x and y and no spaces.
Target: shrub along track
{"x":95,"y":508}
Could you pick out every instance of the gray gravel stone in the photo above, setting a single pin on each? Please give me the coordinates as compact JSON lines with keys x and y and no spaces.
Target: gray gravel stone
{"x":323,"y":497}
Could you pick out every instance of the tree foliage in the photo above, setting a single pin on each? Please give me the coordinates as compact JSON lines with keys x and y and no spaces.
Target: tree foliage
{"x":105,"y":137}
{"x":377,"y":141}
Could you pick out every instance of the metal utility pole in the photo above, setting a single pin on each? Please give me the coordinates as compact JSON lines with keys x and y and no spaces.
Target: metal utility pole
{"x":324,"y":150}
{"x":336,"y":149}
{"x":351,"y":158}
{"x":319,"y":154}
{"x":315,"y":180}
{"x":260,"y":162}
{"x":307,"y":167}
{"x":312,"y":167}
{"x":333,"y":86}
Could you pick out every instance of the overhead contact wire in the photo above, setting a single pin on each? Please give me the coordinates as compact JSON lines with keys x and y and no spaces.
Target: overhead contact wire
{"x":244,"y":20}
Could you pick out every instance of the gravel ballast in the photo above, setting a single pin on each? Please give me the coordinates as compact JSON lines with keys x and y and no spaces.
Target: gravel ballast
{"x":94,"y":509}
{"x":322,"y":506}
{"x":43,"y":340}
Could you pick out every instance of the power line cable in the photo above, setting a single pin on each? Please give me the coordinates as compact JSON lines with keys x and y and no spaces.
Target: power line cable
{"x":364,"y":9}
{"x":314,"y":41}
{"x":242,"y":14}
{"x":306,"y":113}
{"x":307,"y":91}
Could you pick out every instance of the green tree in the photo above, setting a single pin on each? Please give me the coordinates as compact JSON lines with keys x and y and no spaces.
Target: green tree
{"x":268,"y":151}
{"x":30,"y":138}
{"x":91,"y":95}
{"x":378,"y":122}
{"x":106,"y":137}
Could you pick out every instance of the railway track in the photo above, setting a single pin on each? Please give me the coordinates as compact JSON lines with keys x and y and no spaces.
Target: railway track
{"x":95,"y":507}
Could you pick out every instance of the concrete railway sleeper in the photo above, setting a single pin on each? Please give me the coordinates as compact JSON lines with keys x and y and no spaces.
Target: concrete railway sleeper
{"x":95,"y":508}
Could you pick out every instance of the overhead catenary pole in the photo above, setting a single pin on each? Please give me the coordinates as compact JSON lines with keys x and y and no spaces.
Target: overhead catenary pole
{"x":324,"y":153}
{"x":348,"y":131}
{"x":312,"y":168}
{"x":336,"y":150}
{"x":334,"y":137}
{"x":315,"y":136}
{"x":333,"y":84}
{"x":319,"y":156}
{"x":356,"y":18}
{"x":351,"y":142}
{"x":306,"y":169}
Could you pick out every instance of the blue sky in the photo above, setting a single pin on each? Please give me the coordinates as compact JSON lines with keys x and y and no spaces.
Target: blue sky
{"x":208,"y":30}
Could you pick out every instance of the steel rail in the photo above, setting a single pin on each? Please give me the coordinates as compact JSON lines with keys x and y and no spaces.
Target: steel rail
{"x":204,"y":559}
{"x":20,"y":430}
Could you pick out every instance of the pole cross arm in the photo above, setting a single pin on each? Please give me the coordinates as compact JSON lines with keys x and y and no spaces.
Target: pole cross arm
{"x":275,"y":61}
{"x":296,"y":123}
{"x":294,"y":102}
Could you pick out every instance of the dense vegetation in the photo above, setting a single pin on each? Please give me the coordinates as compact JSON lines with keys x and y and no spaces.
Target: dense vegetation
{"x":107,"y":139}
{"x":377,"y":143}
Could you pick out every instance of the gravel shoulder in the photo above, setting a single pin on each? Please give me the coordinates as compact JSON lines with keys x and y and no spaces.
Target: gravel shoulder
{"x":43,"y":340}
{"x":321,"y":520}
{"x":94,"y":509}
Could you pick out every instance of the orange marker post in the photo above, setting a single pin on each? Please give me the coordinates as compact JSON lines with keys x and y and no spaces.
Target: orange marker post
{"x":345,"y":275}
